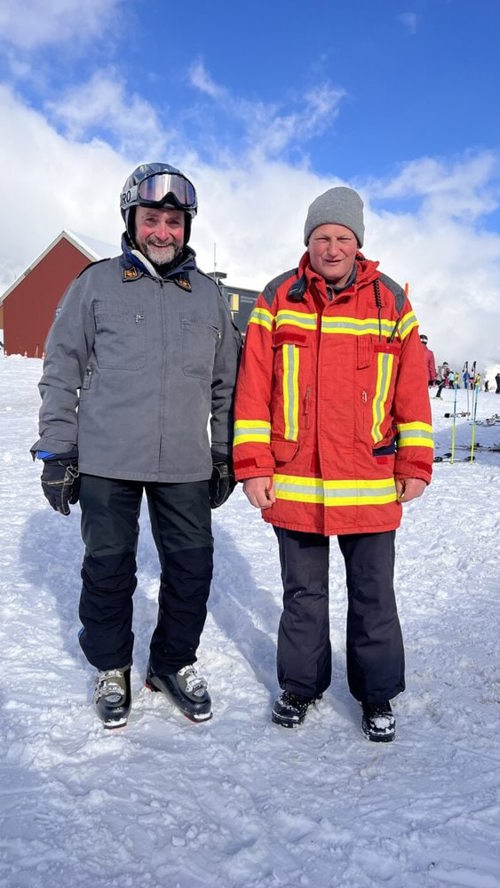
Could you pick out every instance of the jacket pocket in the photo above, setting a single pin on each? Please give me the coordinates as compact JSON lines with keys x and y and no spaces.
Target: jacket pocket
{"x":387,"y":360}
{"x":198,"y":346}
{"x":364,"y":352}
{"x":120,"y":340}
{"x":283,"y":451}
{"x":290,"y":358}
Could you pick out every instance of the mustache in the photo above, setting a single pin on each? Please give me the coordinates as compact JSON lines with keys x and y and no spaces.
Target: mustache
{"x":154,"y":243}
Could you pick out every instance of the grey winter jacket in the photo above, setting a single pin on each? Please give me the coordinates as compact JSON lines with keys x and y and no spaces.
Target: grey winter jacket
{"x":136,"y":367}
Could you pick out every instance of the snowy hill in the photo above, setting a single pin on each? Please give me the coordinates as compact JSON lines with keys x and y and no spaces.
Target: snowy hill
{"x":238,"y":802}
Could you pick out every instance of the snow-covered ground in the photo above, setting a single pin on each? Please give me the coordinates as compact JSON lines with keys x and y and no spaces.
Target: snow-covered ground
{"x":238,"y":802}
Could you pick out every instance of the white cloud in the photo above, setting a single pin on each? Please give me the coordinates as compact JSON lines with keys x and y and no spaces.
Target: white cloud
{"x":269,"y":130}
{"x":50,"y":183}
{"x":461,"y":187}
{"x":36,"y":23}
{"x":201,"y":79}
{"x":104,"y":104}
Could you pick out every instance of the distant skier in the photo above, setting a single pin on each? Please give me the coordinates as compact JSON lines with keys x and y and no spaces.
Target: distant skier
{"x":430,"y":362}
{"x":445,"y":377}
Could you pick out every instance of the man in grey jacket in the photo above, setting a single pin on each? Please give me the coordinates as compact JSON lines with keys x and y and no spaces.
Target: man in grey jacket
{"x":141,"y":357}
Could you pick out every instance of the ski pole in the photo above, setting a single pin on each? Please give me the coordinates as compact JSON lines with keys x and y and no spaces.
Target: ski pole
{"x":473,"y":433}
{"x":454,"y":426}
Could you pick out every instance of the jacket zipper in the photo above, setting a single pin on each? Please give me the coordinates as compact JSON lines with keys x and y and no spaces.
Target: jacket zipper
{"x":307,"y":401}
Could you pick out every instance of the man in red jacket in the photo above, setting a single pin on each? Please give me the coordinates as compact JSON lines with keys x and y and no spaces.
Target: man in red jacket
{"x":430,"y":362}
{"x":321,"y":458}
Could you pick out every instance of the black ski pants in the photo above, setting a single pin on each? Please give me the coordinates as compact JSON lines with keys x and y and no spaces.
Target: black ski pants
{"x":180,"y":519}
{"x":375,"y":654}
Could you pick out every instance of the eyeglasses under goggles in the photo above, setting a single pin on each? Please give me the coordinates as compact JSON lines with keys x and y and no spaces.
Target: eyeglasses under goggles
{"x":155,"y":190}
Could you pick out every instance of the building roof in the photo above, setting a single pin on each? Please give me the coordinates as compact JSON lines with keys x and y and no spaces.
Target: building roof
{"x":90,"y":247}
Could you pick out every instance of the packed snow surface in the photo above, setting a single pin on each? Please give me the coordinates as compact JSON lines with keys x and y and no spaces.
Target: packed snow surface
{"x":238,"y":802}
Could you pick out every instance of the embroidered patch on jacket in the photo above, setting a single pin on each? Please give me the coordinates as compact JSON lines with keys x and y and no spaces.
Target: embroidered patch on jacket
{"x":130,"y":274}
{"x":184,"y":283}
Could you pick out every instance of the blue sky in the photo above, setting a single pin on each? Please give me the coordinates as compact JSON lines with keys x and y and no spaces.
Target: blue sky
{"x":264,"y":105}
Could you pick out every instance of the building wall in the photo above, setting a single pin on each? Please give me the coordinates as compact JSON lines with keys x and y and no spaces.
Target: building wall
{"x":30,"y":307}
{"x":241,"y":302}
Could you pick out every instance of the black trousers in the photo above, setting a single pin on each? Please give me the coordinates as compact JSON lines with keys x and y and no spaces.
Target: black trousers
{"x":375,"y":654}
{"x":181,"y":525}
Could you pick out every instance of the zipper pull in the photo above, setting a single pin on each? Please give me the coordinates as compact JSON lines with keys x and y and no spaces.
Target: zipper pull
{"x":307,"y":398}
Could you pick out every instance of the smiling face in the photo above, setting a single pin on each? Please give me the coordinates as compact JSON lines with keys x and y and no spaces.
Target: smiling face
{"x":159,"y":233}
{"x":332,"y":251}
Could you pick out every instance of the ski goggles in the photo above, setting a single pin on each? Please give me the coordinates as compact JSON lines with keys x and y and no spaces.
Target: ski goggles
{"x":158,"y":189}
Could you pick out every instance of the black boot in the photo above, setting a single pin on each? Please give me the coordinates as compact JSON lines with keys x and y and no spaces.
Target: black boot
{"x":112,"y":697}
{"x":378,"y":722}
{"x":290,"y":709}
{"x":186,"y":689}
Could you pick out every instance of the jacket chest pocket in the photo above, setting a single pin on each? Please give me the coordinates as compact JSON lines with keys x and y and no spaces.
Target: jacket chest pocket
{"x":290,"y":362}
{"x":120,"y":340}
{"x":377,"y":365}
{"x":198,"y":346}
{"x":386,"y":361}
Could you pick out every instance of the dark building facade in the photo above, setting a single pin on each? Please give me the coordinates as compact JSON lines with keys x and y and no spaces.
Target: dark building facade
{"x":241,"y":300}
{"x":241,"y":303}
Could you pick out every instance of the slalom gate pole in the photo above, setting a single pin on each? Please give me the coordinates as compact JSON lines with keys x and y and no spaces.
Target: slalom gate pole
{"x":454,"y":424}
{"x":473,"y":432}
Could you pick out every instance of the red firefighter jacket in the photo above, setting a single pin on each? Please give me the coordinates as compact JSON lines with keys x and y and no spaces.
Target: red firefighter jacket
{"x":430,"y":363}
{"x":332,"y":401}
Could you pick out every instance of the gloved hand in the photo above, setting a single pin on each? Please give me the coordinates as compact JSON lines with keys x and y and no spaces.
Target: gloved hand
{"x":61,"y":483}
{"x":222,"y":482}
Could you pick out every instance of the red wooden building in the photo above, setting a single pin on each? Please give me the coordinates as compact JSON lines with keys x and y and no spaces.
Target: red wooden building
{"x":29,"y":304}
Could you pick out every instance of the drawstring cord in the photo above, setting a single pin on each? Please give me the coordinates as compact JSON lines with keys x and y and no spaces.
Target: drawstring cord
{"x":378,"y":303}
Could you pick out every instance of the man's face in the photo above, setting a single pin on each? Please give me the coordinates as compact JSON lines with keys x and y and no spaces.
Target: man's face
{"x":332,"y":251}
{"x":159,"y":233}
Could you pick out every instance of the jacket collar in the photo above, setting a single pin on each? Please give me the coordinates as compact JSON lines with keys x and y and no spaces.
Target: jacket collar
{"x":135,"y":265}
{"x":364,"y":272}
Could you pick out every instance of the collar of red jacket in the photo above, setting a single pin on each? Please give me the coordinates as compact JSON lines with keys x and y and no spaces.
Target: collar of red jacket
{"x":366,"y":271}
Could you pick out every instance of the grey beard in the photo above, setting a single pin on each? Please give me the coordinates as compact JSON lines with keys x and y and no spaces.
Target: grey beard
{"x":173,"y":252}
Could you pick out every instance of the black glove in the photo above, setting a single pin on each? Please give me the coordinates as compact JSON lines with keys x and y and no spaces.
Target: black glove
{"x":222,"y":482}
{"x":61,"y":483}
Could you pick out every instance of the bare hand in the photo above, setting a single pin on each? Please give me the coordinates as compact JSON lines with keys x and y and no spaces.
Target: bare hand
{"x":409,"y":489}
{"x":259,"y":492}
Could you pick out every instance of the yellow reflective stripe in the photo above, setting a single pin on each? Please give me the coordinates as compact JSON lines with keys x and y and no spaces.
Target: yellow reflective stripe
{"x":335,"y":493}
{"x":415,"y":434}
{"x":263,"y":317}
{"x":357,"y":326}
{"x":385,"y":364}
{"x":406,"y":325}
{"x":296,"y":319}
{"x":291,"y":391}
{"x":251,"y":430}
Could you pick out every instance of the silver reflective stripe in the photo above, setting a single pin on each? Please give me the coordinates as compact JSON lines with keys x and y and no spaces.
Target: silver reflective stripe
{"x":366,"y":327}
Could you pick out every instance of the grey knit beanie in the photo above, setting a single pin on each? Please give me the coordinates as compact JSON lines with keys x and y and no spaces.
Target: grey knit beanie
{"x":338,"y":206}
